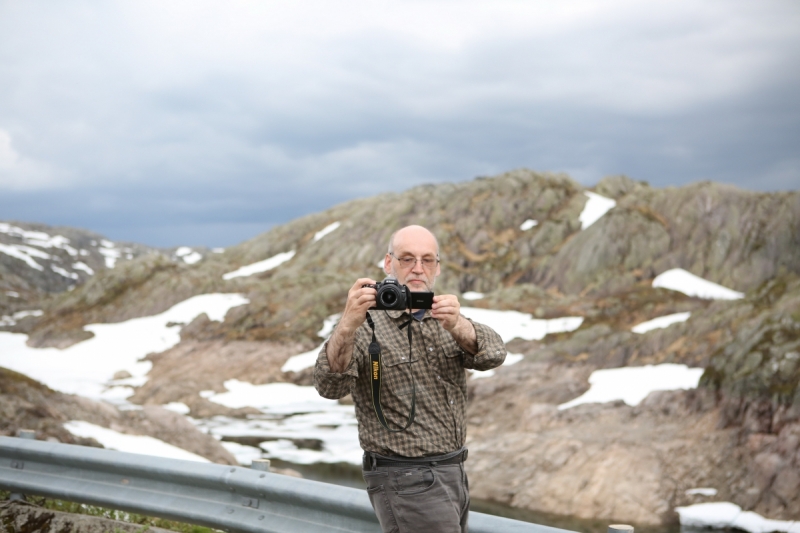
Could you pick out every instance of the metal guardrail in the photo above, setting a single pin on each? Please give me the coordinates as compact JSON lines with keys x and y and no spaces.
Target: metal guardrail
{"x":235,"y":499}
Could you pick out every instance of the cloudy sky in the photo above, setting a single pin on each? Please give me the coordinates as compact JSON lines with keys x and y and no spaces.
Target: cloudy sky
{"x":206,"y":122}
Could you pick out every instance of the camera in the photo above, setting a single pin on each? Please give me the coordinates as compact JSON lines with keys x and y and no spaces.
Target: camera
{"x":392,"y":295}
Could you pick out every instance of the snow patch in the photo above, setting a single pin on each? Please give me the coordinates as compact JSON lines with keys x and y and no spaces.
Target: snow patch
{"x":83,"y":266}
{"x":87,"y":367}
{"x":595,"y":207}
{"x":660,"y":322}
{"x":632,"y":384}
{"x":702,"y":492}
{"x":6,"y":320}
{"x":23,"y":253}
{"x":38,"y":238}
{"x":188,"y":255}
{"x":528,"y":224}
{"x":326,"y":230}
{"x":513,"y":324}
{"x":244,"y":455}
{"x":725,"y":515}
{"x":63,"y":272}
{"x":261,"y":266}
{"x":110,"y":253}
{"x":177,"y":407}
{"x":472,"y":295}
{"x":276,"y":398}
{"x":336,"y":427}
{"x":114,"y":440}
{"x":299,"y":362}
{"x":680,"y":280}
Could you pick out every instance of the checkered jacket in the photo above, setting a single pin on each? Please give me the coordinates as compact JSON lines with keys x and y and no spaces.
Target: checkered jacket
{"x":437,"y":365}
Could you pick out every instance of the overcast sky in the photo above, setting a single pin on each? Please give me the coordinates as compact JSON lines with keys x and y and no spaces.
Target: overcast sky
{"x":205,"y":123}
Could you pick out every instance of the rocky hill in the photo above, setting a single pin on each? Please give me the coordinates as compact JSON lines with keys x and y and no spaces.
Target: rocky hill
{"x":525,"y":241}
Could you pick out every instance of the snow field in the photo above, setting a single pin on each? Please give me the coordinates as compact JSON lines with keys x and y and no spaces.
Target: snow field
{"x":632,"y":384}
{"x":660,"y":322}
{"x":86,"y":368}
{"x":261,"y":266}
{"x":595,"y":208}
{"x":725,"y":515}
{"x":680,"y":280}
{"x":114,"y":440}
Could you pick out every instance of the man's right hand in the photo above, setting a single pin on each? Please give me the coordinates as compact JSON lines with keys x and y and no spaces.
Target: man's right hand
{"x":359,"y":300}
{"x":340,"y":346}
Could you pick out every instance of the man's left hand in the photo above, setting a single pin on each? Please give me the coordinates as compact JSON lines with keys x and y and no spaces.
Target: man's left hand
{"x":447,"y":310}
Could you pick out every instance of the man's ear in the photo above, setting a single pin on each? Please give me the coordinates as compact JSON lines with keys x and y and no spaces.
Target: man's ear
{"x":387,"y":264}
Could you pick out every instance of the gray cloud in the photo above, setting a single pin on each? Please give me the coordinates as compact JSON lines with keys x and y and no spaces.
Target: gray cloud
{"x":205,"y":123}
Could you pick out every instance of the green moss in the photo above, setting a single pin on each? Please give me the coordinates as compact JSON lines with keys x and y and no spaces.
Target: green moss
{"x":121,"y":516}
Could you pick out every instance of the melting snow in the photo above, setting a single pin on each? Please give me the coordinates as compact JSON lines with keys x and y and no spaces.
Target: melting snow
{"x":632,"y":384}
{"x":724,"y":515}
{"x":38,"y":238}
{"x":326,"y":230}
{"x":528,"y":224}
{"x":335,"y":426}
{"x":177,"y":407}
{"x":83,"y":266}
{"x":115,"y":440}
{"x":188,"y":255}
{"x":275,"y":398}
{"x":261,"y":266}
{"x":13,"y":294}
{"x":87,"y":367}
{"x":65,"y":273}
{"x":472,"y":295}
{"x":110,"y":253}
{"x":25,"y":253}
{"x":702,"y":491}
{"x":6,"y":320}
{"x":660,"y":322}
{"x":680,"y":280}
{"x":513,"y":324}
{"x":595,"y":207}
{"x":244,"y":455}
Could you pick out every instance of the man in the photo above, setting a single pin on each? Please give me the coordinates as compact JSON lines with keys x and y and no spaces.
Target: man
{"x":413,"y":466}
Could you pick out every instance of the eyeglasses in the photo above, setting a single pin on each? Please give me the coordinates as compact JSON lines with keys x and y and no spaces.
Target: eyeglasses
{"x":408,"y":261}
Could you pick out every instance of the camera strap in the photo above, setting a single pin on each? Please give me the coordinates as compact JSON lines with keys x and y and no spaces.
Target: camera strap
{"x":377,"y":370}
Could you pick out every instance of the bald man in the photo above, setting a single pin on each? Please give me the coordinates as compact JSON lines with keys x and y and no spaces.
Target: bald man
{"x":412,"y":424}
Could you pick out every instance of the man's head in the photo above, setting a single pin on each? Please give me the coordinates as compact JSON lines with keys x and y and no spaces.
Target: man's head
{"x":413,"y":242}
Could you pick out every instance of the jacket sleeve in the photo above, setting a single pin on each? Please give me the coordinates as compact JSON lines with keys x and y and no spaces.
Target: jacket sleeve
{"x":334,"y":385}
{"x":491,"y":349}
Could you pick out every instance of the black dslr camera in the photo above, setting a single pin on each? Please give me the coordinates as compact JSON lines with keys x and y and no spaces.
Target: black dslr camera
{"x":392,"y":295}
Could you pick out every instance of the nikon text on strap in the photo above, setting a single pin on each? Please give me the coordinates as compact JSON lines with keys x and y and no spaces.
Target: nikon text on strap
{"x":376,"y":367}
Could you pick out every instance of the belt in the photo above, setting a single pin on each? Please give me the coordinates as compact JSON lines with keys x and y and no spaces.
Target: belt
{"x":372,"y":460}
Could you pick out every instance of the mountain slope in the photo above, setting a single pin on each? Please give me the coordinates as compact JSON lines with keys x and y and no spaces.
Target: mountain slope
{"x":540,"y":244}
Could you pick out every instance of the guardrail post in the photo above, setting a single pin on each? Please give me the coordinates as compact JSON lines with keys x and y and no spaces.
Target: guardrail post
{"x":260,"y":464}
{"x":22,"y":434}
{"x":620,"y":528}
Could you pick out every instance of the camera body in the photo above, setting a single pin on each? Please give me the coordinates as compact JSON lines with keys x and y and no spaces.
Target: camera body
{"x":391,"y":295}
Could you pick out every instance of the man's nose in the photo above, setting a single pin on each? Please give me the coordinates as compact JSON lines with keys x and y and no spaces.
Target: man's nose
{"x":417,"y":269}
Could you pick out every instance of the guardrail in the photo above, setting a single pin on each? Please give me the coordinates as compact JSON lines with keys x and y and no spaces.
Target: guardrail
{"x":235,"y":499}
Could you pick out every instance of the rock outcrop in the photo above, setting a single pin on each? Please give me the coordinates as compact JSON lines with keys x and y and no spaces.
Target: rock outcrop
{"x":738,"y":432}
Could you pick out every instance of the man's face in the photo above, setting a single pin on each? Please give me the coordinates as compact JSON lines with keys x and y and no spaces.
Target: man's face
{"x":421,"y":246}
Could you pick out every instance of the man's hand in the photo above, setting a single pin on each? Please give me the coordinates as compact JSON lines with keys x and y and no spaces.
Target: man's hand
{"x":340,"y":345}
{"x":447,"y":310}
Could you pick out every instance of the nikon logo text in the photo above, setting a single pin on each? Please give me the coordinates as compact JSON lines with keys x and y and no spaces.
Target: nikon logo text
{"x":375,"y":370}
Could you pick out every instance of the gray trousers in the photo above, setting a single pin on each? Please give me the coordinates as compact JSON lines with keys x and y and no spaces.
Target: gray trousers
{"x":419,"y":499}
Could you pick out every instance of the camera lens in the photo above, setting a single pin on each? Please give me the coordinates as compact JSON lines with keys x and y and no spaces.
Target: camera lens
{"x":389,"y":298}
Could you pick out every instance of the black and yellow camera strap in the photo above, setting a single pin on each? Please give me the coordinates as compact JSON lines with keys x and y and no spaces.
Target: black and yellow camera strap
{"x":377,"y":370}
